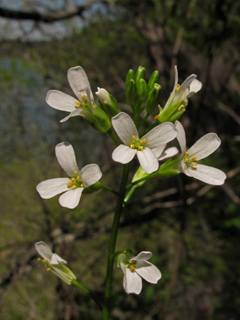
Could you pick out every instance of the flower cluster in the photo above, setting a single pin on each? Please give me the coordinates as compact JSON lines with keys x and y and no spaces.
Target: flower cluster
{"x":149,"y":147}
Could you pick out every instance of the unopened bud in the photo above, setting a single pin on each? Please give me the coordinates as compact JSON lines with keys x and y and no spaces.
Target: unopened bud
{"x":153,"y":98}
{"x":154,"y":79}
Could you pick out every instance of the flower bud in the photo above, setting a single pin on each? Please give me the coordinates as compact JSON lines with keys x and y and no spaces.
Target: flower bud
{"x":153,"y":98}
{"x":142,"y":89}
{"x":154,"y":79}
{"x":140,"y":73}
{"x":131,"y":93}
{"x":108,"y":102}
{"x":130,"y":76}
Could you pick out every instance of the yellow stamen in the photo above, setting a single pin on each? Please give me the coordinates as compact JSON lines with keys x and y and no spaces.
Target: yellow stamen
{"x":140,"y":148}
{"x":76,"y":173}
{"x":69,"y":184}
{"x":81,"y":185}
{"x":45,"y":260}
{"x":132,"y":146}
{"x":39,"y":259}
{"x":78,"y":178}
{"x":194,"y":158}
{"x":134,"y":138}
{"x":156,"y":117}
{"x":143,"y":141}
{"x":84,"y":99}
{"x":187,"y":154}
{"x":48,"y":269}
{"x":181,"y":107}
{"x":186,"y":160}
{"x":78,"y":104}
{"x":73,"y":180}
{"x":73,"y":187}
{"x":132,"y":268}
{"x":126,"y":265}
{"x":177,"y":87}
{"x":193,"y":163}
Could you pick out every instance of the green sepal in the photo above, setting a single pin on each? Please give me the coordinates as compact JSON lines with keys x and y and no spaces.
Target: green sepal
{"x":140,"y":73}
{"x":131,"y":93}
{"x":93,"y":188}
{"x":154,"y":79}
{"x":130,"y":76}
{"x":177,"y":115}
{"x":153,"y":98}
{"x":142,"y":89}
{"x":169,"y":113}
{"x":124,"y":257}
{"x":110,"y":108}
{"x":139,"y":174}
{"x":169,"y":169}
{"x":101,"y":122}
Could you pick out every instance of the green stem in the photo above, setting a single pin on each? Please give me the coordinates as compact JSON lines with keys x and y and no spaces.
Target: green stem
{"x":129,"y":194}
{"x":144,"y":120}
{"x":109,"y":189}
{"x":112,"y":135}
{"x":149,"y":176}
{"x":112,"y":243}
{"x":79,"y":285}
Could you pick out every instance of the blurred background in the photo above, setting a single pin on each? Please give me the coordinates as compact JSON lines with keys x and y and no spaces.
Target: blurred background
{"x":192,"y":229}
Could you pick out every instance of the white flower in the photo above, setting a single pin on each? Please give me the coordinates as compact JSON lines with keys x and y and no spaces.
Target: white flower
{"x":73,"y":187}
{"x":146,"y":148}
{"x":200,"y":150}
{"x":83,"y":105}
{"x":103,"y":95}
{"x":182,"y":93}
{"x":137,"y":268}
{"x":54,"y":263}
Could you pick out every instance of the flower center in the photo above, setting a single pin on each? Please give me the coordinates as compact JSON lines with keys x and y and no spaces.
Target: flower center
{"x":75,"y":182}
{"x":78,"y":104}
{"x":137,"y":143}
{"x":131,"y":265}
{"x":190,"y":162}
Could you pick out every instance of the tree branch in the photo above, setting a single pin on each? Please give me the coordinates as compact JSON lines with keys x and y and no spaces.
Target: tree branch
{"x":47,"y":17}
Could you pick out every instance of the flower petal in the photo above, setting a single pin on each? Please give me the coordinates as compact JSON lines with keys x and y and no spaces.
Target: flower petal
{"x":175,"y":78}
{"x":168,"y":153}
{"x":71,"y":198}
{"x":123,"y":154}
{"x":124,"y":127}
{"x":185,"y":169}
{"x":144,"y":255}
{"x":60,"y":100}
{"x":148,"y":160}
{"x":55,"y":259}
{"x":205,"y":146}
{"x":181,"y":136}
{"x":159,"y":135}
{"x":66,"y":158}
{"x":78,"y":81}
{"x":133,"y":282}
{"x":44,"y":250}
{"x":51,"y":187}
{"x":195,"y":86}
{"x":159,"y":150}
{"x":208,"y":174}
{"x":186,"y":84}
{"x":74,"y":113}
{"x":148,"y":271}
{"x":90,"y":174}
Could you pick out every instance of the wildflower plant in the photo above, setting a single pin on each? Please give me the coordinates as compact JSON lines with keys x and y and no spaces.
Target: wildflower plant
{"x":138,"y":138}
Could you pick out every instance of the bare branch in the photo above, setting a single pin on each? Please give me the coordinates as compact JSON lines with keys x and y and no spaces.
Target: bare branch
{"x":48,"y":18}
